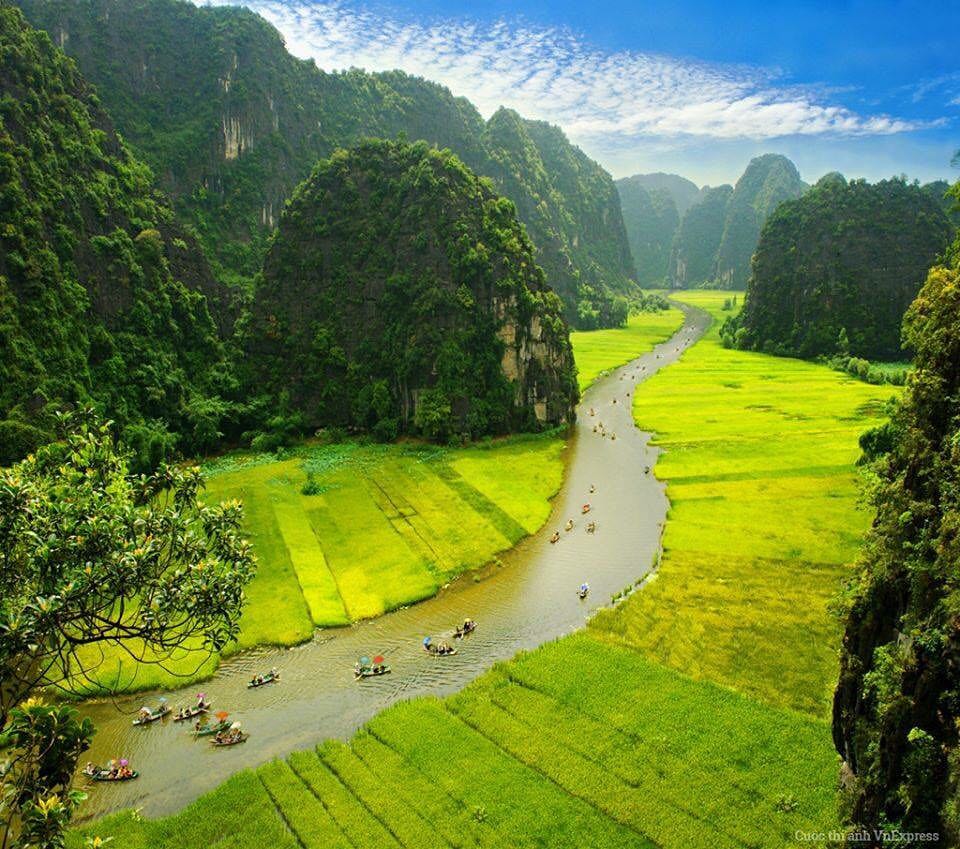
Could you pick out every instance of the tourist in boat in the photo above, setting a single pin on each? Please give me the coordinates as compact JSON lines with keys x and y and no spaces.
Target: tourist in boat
{"x":593,"y":489}
{"x":556,"y":537}
{"x":274,"y":673}
{"x":569,"y":525}
{"x":91,"y":769}
{"x":585,"y":508}
{"x":591,"y":527}
{"x":584,"y":589}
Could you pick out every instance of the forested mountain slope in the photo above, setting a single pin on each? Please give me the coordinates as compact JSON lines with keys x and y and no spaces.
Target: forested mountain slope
{"x":714,"y":247}
{"x":836,"y":269}
{"x":103,"y":298}
{"x":897,"y":704}
{"x":695,"y":245}
{"x":651,"y":218}
{"x":768,"y":181}
{"x":231,"y":123}
{"x":401,"y":294}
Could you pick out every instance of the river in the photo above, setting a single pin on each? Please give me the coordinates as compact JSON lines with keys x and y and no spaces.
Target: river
{"x":527,"y":601}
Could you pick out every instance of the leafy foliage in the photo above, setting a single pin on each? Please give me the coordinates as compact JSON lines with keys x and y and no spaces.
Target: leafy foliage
{"x":102,"y":298}
{"x":897,"y":704}
{"x":92,"y":557}
{"x":231,"y":123}
{"x":400,"y":289}
{"x":836,"y":269}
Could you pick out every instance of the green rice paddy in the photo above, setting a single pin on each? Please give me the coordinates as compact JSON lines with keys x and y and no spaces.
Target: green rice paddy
{"x":693,"y":715}
{"x":599,"y":351}
{"x":759,"y":459}
{"x":389,"y":525}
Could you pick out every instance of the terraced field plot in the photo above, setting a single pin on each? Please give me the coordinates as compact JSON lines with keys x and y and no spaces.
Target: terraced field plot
{"x":598,"y":351}
{"x":759,"y":459}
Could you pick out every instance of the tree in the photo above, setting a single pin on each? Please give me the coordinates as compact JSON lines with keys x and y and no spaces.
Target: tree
{"x":94,"y":557}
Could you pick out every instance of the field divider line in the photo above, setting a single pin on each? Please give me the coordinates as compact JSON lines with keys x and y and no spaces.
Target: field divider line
{"x":364,"y":805}
{"x":695,"y":820}
{"x":641,"y":745}
{"x":326,"y":563}
{"x":564,"y":790}
{"x":282,"y":815}
{"x":293,"y":565}
{"x":437,"y":559}
{"x":323,"y":804}
{"x":508,"y":839}
{"x":452,"y":811}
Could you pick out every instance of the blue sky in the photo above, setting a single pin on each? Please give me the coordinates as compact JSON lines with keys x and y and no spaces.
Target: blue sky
{"x":697,"y":88}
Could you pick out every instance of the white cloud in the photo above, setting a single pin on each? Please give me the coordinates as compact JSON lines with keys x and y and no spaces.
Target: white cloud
{"x":605,"y":101}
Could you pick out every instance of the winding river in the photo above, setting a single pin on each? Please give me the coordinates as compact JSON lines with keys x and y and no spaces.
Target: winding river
{"x":531,"y":599}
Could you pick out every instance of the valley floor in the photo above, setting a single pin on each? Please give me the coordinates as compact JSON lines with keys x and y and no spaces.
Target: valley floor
{"x":382,"y":526}
{"x":692,"y":715}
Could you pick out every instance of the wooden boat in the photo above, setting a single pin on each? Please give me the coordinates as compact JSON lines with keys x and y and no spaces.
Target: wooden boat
{"x":104,"y":775}
{"x":153,"y":716}
{"x":437,"y":653}
{"x":370,"y":672}
{"x":585,"y":508}
{"x":207,"y":730}
{"x":269,"y":678}
{"x":462,"y":630}
{"x":240,"y":738}
{"x":582,"y":593}
{"x":191,"y":713}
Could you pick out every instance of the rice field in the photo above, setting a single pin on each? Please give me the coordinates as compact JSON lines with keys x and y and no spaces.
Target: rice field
{"x":598,"y":351}
{"x":577,"y":744}
{"x":759,"y":459}
{"x":388,"y":525}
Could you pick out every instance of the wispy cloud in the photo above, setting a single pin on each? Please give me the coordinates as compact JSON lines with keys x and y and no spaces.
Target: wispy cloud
{"x":603,"y":100}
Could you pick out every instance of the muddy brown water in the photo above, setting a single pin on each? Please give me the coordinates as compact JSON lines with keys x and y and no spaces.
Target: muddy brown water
{"x":527,"y":601}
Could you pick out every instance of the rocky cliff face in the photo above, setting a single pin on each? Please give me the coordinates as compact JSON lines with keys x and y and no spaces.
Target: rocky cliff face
{"x":231,"y":123}
{"x":402,"y":295}
{"x":768,"y":181}
{"x":715,"y":246}
{"x":694,"y":250}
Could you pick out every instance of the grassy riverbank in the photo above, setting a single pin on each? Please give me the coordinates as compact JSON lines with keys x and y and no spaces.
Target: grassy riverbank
{"x":693,"y":715}
{"x":598,"y":351}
